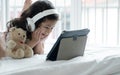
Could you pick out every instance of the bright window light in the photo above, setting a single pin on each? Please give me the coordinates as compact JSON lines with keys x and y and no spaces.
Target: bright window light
{"x":102,"y":17}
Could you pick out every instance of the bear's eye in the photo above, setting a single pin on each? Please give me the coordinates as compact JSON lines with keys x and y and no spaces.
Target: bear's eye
{"x":23,"y":35}
{"x":18,"y":33}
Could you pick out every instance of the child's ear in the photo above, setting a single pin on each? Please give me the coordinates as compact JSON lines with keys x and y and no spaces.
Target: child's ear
{"x":13,"y":28}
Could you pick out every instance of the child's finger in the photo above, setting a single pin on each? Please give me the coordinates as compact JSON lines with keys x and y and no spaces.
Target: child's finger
{"x":36,"y":32}
{"x":40,"y":35}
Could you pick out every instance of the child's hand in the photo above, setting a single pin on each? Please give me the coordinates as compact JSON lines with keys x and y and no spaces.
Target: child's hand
{"x":36,"y":36}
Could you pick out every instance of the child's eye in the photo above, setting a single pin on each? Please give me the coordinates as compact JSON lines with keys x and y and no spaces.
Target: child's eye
{"x":47,"y":27}
{"x":52,"y":28}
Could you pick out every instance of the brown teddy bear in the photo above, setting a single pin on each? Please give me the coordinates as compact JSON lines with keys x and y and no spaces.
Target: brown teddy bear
{"x":16,"y":47}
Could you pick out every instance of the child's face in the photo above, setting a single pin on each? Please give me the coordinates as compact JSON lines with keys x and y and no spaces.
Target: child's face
{"x":46,"y":27}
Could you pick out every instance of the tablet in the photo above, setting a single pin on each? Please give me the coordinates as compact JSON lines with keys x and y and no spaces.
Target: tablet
{"x":70,"y":44}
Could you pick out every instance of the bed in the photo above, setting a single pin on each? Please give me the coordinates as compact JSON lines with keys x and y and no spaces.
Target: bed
{"x":98,"y":61}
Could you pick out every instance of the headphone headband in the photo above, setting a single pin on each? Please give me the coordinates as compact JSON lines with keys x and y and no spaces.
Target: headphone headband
{"x":34,"y":19}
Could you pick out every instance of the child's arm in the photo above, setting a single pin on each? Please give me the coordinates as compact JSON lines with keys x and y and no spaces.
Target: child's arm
{"x":39,"y":48}
{"x":2,"y":52}
{"x":2,"y":44}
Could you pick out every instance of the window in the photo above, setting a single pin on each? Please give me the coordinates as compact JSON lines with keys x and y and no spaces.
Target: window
{"x":9,"y":9}
{"x":15,"y":8}
{"x":102,"y":17}
{"x":2,"y":15}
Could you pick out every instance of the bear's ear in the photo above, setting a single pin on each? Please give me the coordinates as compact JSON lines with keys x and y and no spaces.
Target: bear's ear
{"x":13,"y":28}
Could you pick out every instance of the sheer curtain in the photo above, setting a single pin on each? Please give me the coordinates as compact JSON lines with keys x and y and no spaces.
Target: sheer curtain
{"x":102,"y":17}
{"x":3,"y":14}
{"x":9,"y":9}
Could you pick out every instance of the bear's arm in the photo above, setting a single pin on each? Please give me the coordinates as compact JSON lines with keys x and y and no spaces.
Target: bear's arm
{"x":11,"y":44}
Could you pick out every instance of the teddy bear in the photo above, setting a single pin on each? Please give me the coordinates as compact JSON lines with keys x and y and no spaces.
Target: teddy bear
{"x":16,"y":47}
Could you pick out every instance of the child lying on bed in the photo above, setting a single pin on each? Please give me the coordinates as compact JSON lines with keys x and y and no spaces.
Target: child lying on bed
{"x":39,"y":20}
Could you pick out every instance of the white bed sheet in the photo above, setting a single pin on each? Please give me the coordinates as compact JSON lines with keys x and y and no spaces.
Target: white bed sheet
{"x":104,"y":62}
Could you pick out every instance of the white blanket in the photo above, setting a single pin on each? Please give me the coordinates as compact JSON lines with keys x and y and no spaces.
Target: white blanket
{"x":88,"y":65}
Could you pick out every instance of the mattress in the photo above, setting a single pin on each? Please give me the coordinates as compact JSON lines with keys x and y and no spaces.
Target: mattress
{"x":94,"y":62}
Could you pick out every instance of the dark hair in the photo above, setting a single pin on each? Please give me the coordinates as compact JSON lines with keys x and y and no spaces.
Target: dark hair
{"x":34,"y":9}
